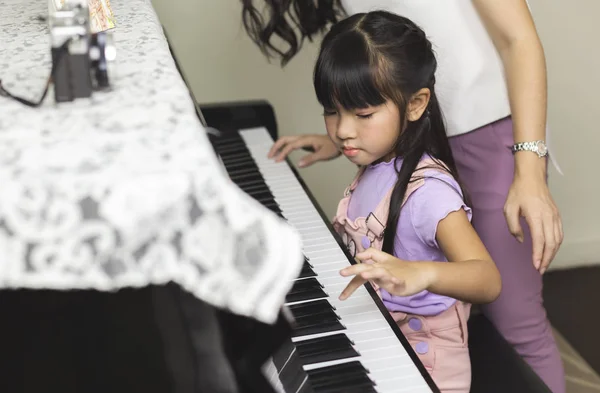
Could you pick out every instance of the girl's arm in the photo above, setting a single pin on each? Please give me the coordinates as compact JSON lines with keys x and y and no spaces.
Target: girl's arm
{"x":471,"y":276}
{"x":512,"y":30}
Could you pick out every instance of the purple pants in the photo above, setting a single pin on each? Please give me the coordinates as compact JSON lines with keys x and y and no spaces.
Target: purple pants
{"x":485,"y":165}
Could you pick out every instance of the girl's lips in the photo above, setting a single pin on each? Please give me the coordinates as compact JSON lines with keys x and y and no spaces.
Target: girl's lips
{"x":350,"y":151}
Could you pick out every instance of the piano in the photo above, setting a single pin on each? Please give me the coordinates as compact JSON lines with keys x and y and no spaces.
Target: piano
{"x":335,"y":346}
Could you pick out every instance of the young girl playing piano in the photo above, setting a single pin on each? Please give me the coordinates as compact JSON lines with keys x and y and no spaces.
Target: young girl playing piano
{"x":405,"y":215}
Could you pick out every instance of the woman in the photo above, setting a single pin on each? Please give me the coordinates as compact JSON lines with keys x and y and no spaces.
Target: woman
{"x":491,"y":83}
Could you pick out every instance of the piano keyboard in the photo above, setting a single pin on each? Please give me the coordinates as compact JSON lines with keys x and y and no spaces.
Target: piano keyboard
{"x":336,"y":346}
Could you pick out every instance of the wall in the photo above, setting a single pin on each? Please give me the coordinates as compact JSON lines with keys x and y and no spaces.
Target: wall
{"x":573,"y":81}
{"x":222,"y":64}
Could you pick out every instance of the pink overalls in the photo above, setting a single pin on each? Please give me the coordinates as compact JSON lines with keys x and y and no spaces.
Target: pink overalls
{"x":440,"y":341}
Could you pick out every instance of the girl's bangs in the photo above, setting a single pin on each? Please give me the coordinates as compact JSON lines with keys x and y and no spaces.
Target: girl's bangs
{"x":344,"y":76}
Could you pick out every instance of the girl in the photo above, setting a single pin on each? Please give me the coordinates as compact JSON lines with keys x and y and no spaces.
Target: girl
{"x":405,"y":213}
{"x":491,"y":87}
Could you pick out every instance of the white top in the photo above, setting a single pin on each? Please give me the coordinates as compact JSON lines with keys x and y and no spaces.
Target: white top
{"x":123,"y":189}
{"x":470,"y":82}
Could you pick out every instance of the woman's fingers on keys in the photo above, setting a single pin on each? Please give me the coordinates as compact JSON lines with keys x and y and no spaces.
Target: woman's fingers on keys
{"x":288,"y":148}
{"x":279,"y":144}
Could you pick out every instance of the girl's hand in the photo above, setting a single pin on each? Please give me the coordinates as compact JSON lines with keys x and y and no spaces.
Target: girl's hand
{"x":322,"y":147}
{"x":398,"y":277}
{"x":530,"y":198}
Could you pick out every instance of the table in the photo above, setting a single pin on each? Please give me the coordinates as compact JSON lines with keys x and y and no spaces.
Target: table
{"x":123,"y":189}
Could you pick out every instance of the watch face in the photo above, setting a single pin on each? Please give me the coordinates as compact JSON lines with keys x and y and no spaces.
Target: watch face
{"x":542,"y":148}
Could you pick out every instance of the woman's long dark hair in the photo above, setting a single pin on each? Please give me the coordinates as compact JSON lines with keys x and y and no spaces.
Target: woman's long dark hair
{"x":292,"y":21}
{"x":370,"y":58}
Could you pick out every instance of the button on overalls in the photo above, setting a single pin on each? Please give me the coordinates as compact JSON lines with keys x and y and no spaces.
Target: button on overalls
{"x":440,"y":341}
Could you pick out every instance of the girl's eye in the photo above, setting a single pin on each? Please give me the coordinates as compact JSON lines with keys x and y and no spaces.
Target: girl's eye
{"x":365,"y":116}
{"x":329,"y":112}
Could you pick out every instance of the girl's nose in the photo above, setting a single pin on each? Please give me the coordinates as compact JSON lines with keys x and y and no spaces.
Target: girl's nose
{"x":345,"y":129}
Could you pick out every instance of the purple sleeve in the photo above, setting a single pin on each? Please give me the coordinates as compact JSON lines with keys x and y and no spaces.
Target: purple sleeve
{"x":439,"y":196}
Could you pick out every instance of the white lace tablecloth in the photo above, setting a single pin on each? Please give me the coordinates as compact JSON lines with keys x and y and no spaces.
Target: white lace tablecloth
{"x":123,"y":189}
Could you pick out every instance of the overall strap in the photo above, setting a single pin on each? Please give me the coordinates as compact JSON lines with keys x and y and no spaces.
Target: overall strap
{"x":378,"y":218}
{"x":354,"y":183}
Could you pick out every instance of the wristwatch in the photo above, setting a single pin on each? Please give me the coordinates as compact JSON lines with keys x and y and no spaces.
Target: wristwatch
{"x":538,"y":147}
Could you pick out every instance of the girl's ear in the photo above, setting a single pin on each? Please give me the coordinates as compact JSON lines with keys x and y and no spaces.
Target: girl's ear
{"x":417,"y":104}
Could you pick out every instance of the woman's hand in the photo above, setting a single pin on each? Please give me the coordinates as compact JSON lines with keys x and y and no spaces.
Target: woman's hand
{"x":398,"y":277}
{"x":322,"y":147}
{"x":512,"y":30}
{"x":530,"y":198}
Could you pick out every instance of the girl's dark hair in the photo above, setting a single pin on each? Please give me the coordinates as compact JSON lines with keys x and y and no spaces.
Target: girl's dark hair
{"x":370,"y":58}
{"x":292,"y":21}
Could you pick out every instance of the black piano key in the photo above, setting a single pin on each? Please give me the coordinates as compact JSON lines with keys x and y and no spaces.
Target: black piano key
{"x":327,"y":348}
{"x":238,"y":172}
{"x":228,"y":138}
{"x":307,"y":271}
{"x":230,"y":155}
{"x":293,"y":377}
{"x":264,"y":200}
{"x":256,"y":184}
{"x":341,"y":378}
{"x":282,"y":355}
{"x":245,"y":176}
{"x":275,"y":209}
{"x":257,"y":190}
{"x":236,"y":160}
{"x":235,"y":166}
{"x":322,"y":327}
{"x":321,"y":316}
{"x":306,"y":295}
{"x":320,"y":345}
{"x":358,"y":384}
{"x":317,"y":323}
{"x":321,"y":320}
{"x":232,"y":167}
{"x":300,"y":285}
{"x":306,"y":289}
{"x":251,"y":182}
{"x":223,"y":144}
{"x":253,"y":185}
{"x":355,"y":367}
{"x":232,"y":151}
{"x":272,"y":204}
{"x":289,"y":366}
{"x":264,"y":195}
{"x":309,"y":308}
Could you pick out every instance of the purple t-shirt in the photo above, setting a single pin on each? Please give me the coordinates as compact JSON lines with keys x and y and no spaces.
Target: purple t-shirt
{"x":415,"y":236}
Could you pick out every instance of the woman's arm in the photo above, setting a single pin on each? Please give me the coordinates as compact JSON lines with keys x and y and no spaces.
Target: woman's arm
{"x":513,"y":33}
{"x":511,"y":28}
{"x":471,"y":277}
